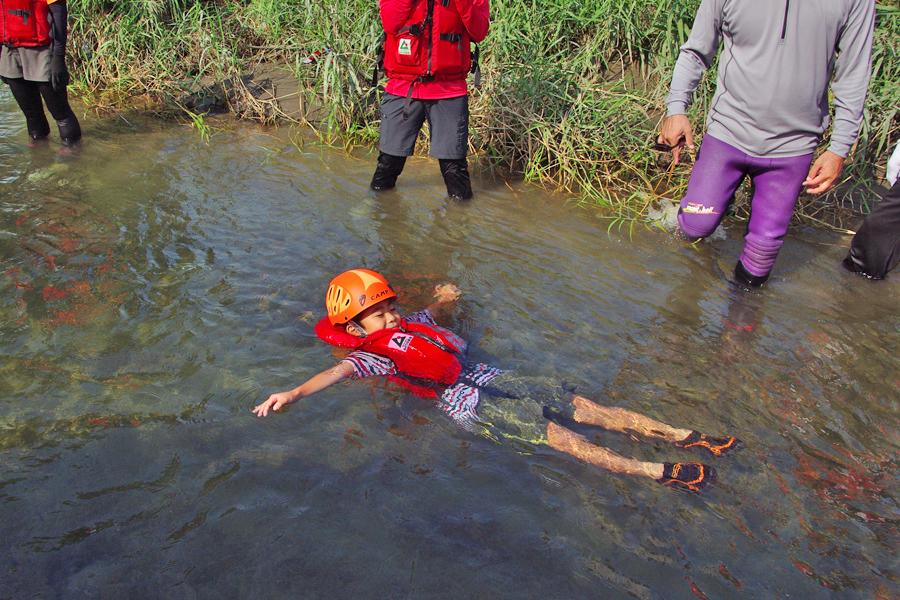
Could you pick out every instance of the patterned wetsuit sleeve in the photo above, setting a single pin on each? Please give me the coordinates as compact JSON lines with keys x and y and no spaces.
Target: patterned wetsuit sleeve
{"x":367,"y":364}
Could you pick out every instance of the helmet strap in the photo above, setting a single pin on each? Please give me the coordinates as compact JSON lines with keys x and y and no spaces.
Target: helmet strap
{"x":354,"y":328}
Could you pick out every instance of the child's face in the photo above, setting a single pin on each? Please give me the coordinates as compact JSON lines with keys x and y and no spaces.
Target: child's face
{"x":378,"y":316}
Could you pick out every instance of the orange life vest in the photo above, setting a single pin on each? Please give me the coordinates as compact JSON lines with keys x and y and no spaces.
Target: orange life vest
{"x":426,"y":356}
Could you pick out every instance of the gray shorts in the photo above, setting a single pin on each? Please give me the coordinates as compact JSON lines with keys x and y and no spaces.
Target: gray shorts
{"x":448,"y":126}
{"x":511,"y":407}
{"x":32,"y":64}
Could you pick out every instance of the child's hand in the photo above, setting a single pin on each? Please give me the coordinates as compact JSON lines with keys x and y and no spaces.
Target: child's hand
{"x":446,"y":293}
{"x":275,"y":402}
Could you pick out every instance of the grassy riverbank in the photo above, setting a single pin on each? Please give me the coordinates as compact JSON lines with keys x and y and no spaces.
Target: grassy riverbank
{"x":572,"y":90}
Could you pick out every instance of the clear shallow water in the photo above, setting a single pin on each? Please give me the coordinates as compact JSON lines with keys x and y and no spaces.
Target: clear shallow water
{"x":156,"y":288}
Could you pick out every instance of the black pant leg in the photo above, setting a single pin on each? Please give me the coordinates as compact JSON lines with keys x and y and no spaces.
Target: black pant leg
{"x":875,"y":248}
{"x":57,"y":102}
{"x":456,"y":178}
{"x":387,"y":170}
{"x":28,"y":97}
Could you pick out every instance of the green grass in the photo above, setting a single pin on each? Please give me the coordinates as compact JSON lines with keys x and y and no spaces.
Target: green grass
{"x":572,"y":91}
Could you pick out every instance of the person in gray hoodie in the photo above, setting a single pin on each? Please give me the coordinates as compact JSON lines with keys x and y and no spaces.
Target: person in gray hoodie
{"x":769,"y":111}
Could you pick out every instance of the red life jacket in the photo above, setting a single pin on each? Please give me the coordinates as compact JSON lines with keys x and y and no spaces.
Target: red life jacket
{"x":433,"y":45}
{"x":426,"y":356}
{"x":25,"y":23}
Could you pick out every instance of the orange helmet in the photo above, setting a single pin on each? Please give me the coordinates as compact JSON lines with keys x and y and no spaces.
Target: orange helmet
{"x":352,"y":292}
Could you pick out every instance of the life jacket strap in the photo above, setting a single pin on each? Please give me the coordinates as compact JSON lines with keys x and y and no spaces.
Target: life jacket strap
{"x":415,"y":29}
{"x":476,"y":66}
{"x":422,"y":79}
{"x":379,"y":59}
{"x":436,"y":343}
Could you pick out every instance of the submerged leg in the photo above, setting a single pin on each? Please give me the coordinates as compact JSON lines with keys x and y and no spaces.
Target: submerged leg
{"x":692,"y":476}
{"x":565,"y":440}
{"x":620,"y":419}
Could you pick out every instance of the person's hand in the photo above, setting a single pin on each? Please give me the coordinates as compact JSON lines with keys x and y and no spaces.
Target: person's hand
{"x":59,"y":74}
{"x":446,"y":293}
{"x":275,"y":402}
{"x":676,"y":132}
{"x":823,"y":173}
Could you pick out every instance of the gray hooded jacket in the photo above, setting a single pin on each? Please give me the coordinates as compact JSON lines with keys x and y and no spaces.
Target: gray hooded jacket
{"x":778,"y":57}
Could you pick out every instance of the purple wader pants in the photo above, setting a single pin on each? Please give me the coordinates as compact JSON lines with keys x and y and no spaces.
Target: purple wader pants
{"x":716,"y":175}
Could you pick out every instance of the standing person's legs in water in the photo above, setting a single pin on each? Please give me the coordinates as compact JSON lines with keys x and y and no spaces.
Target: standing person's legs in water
{"x":28,"y":95}
{"x":716,"y":175}
{"x":33,"y":64}
{"x":448,"y":126}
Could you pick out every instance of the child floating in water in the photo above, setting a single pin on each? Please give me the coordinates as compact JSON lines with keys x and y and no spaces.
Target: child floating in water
{"x":431,"y":360}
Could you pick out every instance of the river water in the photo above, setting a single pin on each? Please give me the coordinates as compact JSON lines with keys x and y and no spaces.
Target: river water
{"x":155,"y":288}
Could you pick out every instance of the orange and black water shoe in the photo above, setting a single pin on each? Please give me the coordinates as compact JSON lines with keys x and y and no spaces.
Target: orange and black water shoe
{"x":718,"y":446}
{"x":691,"y":476}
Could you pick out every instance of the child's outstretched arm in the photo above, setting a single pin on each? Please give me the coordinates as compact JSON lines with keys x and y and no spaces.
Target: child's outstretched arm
{"x":315,"y":384}
{"x":444,"y":294}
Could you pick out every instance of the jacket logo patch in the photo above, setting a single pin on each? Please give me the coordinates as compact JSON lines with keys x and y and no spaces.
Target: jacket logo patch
{"x":400,"y":341}
{"x":405,"y":47}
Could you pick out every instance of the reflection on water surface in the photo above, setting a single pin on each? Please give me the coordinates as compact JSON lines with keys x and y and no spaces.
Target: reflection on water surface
{"x":155,"y":289}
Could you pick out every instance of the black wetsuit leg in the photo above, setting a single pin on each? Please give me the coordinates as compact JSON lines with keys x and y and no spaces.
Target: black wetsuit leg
{"x":875,"y":248}
{"x":57,"y":102}
{"x":28,"y":97}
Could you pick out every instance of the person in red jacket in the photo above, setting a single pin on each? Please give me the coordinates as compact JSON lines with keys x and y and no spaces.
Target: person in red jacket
{"x":430,"y":360}
{"x":427,"y":55}
{"x":33,"y":64}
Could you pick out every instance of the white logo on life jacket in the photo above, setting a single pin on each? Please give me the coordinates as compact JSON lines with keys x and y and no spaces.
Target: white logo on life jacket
{"x":400,"y":341}
{"x":405,"y":47}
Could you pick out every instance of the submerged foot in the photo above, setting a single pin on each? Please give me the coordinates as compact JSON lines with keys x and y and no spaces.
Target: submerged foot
{"x":690,"y":476}
{"x":718,"y":446}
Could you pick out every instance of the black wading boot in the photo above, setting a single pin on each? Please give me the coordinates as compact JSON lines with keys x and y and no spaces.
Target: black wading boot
{"x":745,"y":279}
{"x":38,"y":127}
{"x":456,"y":176}
{"x":69,"y":129}
{"x":386,"y":172}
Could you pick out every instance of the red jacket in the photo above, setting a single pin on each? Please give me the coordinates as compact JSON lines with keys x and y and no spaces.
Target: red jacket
{"x":408,"y":57}
{"x":25,"y":23}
